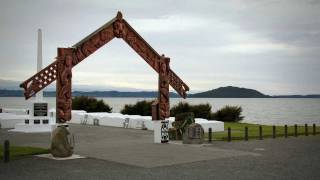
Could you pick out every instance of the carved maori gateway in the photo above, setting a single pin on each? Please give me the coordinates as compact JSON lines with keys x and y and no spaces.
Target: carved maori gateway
{"x":61,"y":69}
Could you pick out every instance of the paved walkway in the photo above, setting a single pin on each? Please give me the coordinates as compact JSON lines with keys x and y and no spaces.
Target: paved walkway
{"x":128,"y":146}
{"x":117,"y":153}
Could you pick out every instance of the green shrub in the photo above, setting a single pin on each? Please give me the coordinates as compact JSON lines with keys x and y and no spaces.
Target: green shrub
{"x":142,"y":108}
{"x":180,"y":108}
{"x":90,"y":104}
{"x":200,"y":110}
{"x":228,"y":114}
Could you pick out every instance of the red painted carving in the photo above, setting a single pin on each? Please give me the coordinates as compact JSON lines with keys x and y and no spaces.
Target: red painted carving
{"x":178,"y":84}
{"x":119,"y":28}
{"x":141,"y":47}
{"x":40,"y":80}
{"x":93,"y":43}
{"x":64,"y":96}
{"x":164,"y":106}
{"x":152,"y":57}
{"x":82,"y":50}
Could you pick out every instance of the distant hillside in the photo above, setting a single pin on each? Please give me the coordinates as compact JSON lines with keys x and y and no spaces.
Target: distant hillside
{"x":230,"y":92}
{"x":150,"y":94}
{"x":298,"y":96}
{"x":10,"y":93}
{"x":146,"y":94}
{"x":222,"y":92}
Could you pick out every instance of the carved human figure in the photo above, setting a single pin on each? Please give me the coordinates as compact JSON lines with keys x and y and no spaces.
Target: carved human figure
{"x":119,"y":29}
{"x":64,"y":89}
{"x":164,"y":109}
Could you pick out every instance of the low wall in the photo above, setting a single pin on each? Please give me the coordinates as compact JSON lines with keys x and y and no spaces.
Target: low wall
{"x":8,"y":120}
{"x":134,"y":121}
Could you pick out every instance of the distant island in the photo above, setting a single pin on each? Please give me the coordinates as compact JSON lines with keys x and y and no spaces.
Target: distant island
{"x":230,"y":92}
{"x":221,"y":92}
{"x":237,"y":92}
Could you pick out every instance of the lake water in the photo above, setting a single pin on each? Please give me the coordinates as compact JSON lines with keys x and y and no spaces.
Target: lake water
{"x":256,"y":110}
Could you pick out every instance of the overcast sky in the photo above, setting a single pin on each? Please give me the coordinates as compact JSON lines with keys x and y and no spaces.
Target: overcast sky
{"x":272,"y":46}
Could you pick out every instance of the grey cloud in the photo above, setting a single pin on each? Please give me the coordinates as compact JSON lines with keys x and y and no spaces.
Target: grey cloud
{"x":195,"y":52}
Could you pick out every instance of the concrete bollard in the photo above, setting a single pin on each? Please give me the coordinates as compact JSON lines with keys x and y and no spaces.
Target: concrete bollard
{"x":229,"y":134}
{"x":6,"y":151}
{"x":285,"y":131}
{"x":314,"y":130}
{"x":96,"y":122}
{"x":295,"y":130}
{"x":273,"y":132}
{"x":260,"y":133}
{"x":306,"y":133}
{"x":210,"y":135}
{"x":246,"y":133}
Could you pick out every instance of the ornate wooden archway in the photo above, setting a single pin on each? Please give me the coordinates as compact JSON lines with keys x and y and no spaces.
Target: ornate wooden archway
{"x":61,"y":69}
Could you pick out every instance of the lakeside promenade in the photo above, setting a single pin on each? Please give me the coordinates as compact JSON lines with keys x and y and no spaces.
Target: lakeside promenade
{"x":117,"y":153}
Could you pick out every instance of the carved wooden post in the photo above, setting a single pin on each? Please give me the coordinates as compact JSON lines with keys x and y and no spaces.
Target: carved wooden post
{"x":6,"y":151}
{"x":229,"y":134}
{"x":295,"y":130}
{"x":260,"y":133}
{"x":63,"y":91}
{"x":246,"y":137}
{"x":285,"y":131}
{"x":163,"y":99}
{"x":155,"y":110}
{"x":306,"y":133}
{"x":210,"y":135}
{"x":274,"y":131}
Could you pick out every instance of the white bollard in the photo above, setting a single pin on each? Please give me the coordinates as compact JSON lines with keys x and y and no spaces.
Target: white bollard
{"x":160,"y":130}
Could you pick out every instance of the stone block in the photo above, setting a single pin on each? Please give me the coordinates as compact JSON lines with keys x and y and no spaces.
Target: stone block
{"x":193,"y":134}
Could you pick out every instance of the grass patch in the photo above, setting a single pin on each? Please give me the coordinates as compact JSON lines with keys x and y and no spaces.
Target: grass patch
{"x":18,"y":152}
{"x":237,"y":131}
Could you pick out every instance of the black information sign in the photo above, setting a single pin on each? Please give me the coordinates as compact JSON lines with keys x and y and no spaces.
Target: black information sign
{"x":40,"y":109}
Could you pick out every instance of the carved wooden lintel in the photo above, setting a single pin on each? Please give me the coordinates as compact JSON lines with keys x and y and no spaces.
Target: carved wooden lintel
{"x":90,"y":45}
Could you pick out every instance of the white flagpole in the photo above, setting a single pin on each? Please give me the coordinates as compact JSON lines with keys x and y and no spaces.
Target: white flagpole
{"x":39,"y":95}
